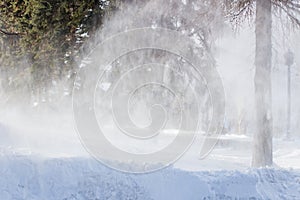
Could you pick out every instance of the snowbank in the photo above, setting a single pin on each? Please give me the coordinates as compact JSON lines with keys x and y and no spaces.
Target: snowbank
{"x":35,"y":178}
{"x":45,"y":161}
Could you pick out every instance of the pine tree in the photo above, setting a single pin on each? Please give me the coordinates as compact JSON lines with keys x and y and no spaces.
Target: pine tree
{"x":48,"y":36}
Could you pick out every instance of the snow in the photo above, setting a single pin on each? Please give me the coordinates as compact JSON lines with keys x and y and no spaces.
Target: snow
{"x":105,"y":86}
{"x":24,"y":177}
{"x":41,"y":157}
{"x":55,"y":137}
{"x":50,"y":163}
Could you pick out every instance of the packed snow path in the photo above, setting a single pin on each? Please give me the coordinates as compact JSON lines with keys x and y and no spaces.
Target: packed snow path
{"x":33,"y":178}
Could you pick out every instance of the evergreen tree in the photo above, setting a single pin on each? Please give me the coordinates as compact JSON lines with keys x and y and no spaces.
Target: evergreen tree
{"x":40,"y":40}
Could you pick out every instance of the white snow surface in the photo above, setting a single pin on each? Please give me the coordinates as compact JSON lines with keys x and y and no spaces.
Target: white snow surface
{"x":44,"y":159}
{"x":35,"y":178}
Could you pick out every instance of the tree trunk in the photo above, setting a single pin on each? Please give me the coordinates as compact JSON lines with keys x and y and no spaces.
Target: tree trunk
{"x":262,"y":151}
{"x":288,"y":134}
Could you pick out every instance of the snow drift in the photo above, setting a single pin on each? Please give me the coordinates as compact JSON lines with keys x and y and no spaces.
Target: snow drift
{"x":36,"y":178}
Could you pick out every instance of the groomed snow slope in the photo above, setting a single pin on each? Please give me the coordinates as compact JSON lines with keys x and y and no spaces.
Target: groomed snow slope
{"x":34,"y":178}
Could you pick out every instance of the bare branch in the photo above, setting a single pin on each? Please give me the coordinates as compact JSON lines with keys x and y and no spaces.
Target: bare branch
{"x":288,"y":8}
{"x":239,"y":11}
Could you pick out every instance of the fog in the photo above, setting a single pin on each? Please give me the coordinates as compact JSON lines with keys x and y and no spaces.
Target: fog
{"x":50,"y":131}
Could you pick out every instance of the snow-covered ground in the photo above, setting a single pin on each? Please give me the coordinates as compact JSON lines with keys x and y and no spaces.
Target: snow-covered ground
{"x":51,"y":136}
{"x":36,"y":178}
{"x":44,"y":159}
